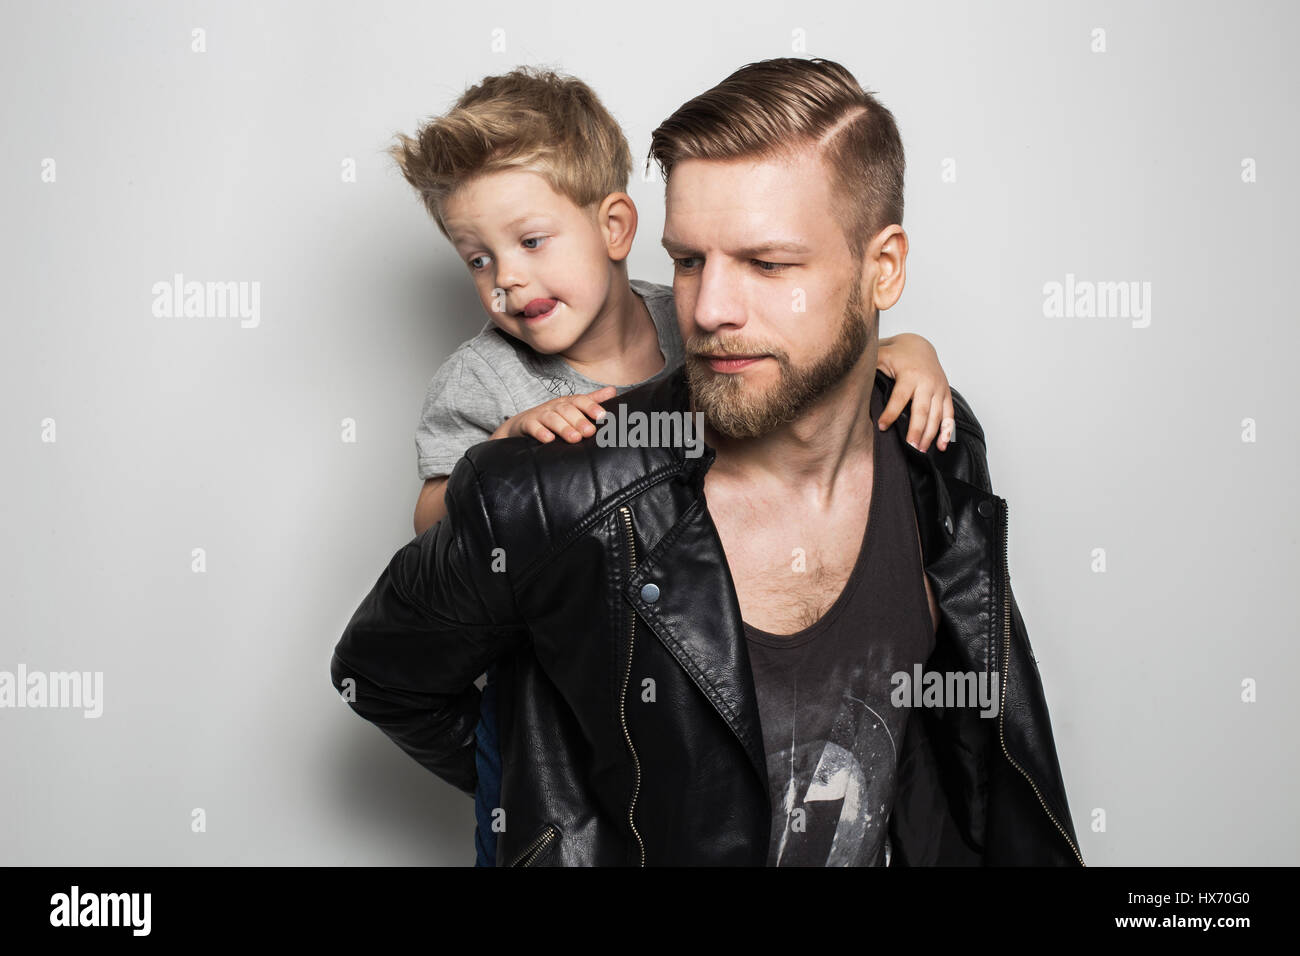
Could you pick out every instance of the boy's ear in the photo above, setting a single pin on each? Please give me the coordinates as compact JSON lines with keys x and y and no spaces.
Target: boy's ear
{"x":616,"y":216}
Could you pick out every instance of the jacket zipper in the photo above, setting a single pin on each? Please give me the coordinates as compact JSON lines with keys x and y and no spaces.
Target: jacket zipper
{"x":626,"y":515}
{"x":534,"y":849}
{"x":1006,"y":656}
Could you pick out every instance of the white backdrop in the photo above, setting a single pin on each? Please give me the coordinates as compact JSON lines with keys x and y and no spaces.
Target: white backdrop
{"x":183,"y":515}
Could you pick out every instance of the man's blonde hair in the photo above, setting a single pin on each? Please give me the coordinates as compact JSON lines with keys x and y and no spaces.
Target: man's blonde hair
{"x":530,"y":118}
{"x":778,"y":106}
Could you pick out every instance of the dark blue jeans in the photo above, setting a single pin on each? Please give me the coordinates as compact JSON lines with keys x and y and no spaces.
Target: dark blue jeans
{"x":487,"y":795}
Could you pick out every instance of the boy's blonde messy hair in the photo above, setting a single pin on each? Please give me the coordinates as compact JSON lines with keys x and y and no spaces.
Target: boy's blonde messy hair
{"x":533,"y":118}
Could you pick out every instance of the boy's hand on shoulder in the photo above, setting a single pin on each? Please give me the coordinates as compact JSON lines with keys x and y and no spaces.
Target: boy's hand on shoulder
{"x":913,"y":364}
{"x":569,"y":416}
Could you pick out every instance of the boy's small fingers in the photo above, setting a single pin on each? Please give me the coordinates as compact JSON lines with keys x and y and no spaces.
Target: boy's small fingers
{"x":897,"y":402}
{"x":592,"y":400}
{"x":575,"y":414}
{"x":537,"y":430}
{"x":920,"y":418}
{"x":948,"y":427}
{"x":577,"y":418}
{"x":561,"y":426}
{"x":590,"y":407}
{"x":934,"y":420}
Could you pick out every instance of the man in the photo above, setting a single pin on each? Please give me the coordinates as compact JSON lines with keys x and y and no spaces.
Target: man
{"x":699,"y":655}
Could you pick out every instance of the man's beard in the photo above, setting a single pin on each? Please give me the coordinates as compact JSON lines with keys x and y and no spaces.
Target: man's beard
{"x":737,"y":409}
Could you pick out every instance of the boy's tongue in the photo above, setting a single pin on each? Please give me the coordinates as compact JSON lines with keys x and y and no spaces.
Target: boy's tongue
{"x":538,"y":307}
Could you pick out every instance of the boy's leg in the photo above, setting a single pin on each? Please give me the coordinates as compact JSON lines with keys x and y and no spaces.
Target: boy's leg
{"x":487,"y":795}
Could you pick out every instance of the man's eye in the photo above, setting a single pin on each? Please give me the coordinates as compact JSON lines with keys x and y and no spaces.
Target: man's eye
{"x":686,"y":262}
{"x":482,"y":259}
{"x":537,"y":239}
{"x":769,"y":266}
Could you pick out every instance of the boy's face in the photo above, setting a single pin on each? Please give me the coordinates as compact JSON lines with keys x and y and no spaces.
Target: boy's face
{"x":539,"y":262}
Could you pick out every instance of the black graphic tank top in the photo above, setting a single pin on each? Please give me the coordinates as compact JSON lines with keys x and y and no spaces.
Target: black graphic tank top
{"x":829,"y":729}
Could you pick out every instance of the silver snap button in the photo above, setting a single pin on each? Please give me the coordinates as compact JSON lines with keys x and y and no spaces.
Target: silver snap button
{"x":947,"y":523}
{"x":650,"y":593}
{"x":985,"y":509}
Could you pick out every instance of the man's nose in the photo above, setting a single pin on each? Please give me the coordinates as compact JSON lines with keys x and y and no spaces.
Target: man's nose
{"x":719,"y":301}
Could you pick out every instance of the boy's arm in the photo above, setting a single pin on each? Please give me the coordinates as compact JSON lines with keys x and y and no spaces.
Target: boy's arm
{"x":567,"y":416}
{"x":434,"y":621}
{"x":911,"y":361}
{"x":429,"y":507}
{"x":464,"y":401}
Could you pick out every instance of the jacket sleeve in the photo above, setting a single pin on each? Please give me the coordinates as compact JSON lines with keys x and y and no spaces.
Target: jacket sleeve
{"x":439,"y":614}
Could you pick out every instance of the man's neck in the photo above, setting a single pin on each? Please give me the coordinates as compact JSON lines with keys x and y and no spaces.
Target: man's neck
{"x":808,"y":458}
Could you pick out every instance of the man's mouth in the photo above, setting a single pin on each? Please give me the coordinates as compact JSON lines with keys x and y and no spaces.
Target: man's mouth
{"x":537,"y":310}
{"x":731,"y":363}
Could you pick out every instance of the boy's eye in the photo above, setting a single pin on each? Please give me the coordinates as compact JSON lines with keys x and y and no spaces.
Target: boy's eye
{"x":481,"y":259}
{"x":537,"y":239}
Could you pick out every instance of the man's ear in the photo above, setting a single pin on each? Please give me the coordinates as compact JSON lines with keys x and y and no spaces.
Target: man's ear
{"x":888,"y":251}
{"x":617,"y":219}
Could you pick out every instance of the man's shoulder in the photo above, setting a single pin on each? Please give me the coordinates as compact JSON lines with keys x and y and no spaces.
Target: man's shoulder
{"x":549,"y":488}
{"x":966,"y":458}
{"x":601,"y":466}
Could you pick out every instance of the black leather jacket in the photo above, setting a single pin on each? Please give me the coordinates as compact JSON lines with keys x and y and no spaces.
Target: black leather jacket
{"x":540,"y":565}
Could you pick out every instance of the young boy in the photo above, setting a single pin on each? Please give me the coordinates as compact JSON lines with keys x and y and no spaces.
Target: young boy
{"x":526,"y":176}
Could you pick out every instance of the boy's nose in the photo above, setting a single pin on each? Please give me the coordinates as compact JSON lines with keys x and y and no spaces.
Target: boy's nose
{"x":510,"y":274}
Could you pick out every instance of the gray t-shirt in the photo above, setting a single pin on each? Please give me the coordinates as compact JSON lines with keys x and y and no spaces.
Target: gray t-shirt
{"x":494,"y":376}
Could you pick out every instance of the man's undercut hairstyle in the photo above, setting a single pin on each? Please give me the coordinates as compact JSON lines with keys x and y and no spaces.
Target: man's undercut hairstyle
{"x":531,"y":118}
{"x":775,"y":107}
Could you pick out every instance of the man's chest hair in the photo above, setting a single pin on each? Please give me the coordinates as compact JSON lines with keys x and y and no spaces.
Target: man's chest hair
{"x":788,"y":573}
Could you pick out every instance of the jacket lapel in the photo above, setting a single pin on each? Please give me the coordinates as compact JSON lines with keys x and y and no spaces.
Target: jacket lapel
{"x":958,"y":529}
{"x":697,"y":618}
